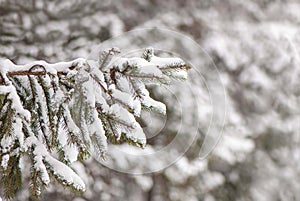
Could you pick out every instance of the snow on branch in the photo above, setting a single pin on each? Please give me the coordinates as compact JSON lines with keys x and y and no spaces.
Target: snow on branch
{"x":59,"y":113}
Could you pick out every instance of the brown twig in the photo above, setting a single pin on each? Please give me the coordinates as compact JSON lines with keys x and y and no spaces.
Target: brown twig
{"x":185,"y":67}
{"x":25,"y":73}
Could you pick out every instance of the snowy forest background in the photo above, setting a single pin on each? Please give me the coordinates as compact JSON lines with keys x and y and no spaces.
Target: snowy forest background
{"x":254,"y":45}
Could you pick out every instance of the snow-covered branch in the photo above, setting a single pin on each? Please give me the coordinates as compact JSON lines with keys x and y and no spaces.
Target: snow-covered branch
{"x":59,"y":113}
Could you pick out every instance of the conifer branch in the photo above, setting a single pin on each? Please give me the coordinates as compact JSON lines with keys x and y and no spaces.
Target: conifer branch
{"x":46,"y":108}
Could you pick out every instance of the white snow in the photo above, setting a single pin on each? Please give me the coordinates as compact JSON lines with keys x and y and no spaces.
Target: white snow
{"x":17,"y":130}
{"x":6,"y":143}
{"x":123,"y":115}
{"x":59,"y":169}
{"x":156,"y":105}
{"x":123,"y":84}
{"x":8,"y":66}
{"x":4,"y":161}
{"x":71,"y":153}
{"x":150,"y":70}
{"x":39,"y":165}
{"x":96,"y":128}
{"x":63,"y":172}
{"x":96,"y":73}
{"x":16,"y":102}
{"x":104,"y":106}
{"x":164,"y":62}
{"x":145,"y":182}
{"x":180,"y":74}
{"x":89,"y":92}
{"x":62,"y":137}
{"x":148,"y":102}
{"x":137,"y":108}
{"x":144,"y":67}
{"x":232,"y":148}
{"x":123,"y":97}
{"x":137,"y":135}
{"x":120,"y":63}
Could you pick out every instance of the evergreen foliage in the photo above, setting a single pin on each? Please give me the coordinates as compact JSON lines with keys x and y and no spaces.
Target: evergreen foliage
{"x":60,"y":113}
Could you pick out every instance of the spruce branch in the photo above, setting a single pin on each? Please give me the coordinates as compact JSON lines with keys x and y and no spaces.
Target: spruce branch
{"x":80,"y":105}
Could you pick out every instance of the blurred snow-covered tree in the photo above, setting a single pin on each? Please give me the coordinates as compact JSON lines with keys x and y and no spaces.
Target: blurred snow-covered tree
{"x":254,"y":45}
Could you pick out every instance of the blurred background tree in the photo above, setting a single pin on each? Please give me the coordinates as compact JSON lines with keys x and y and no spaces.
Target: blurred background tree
{"x":255,"y":46}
